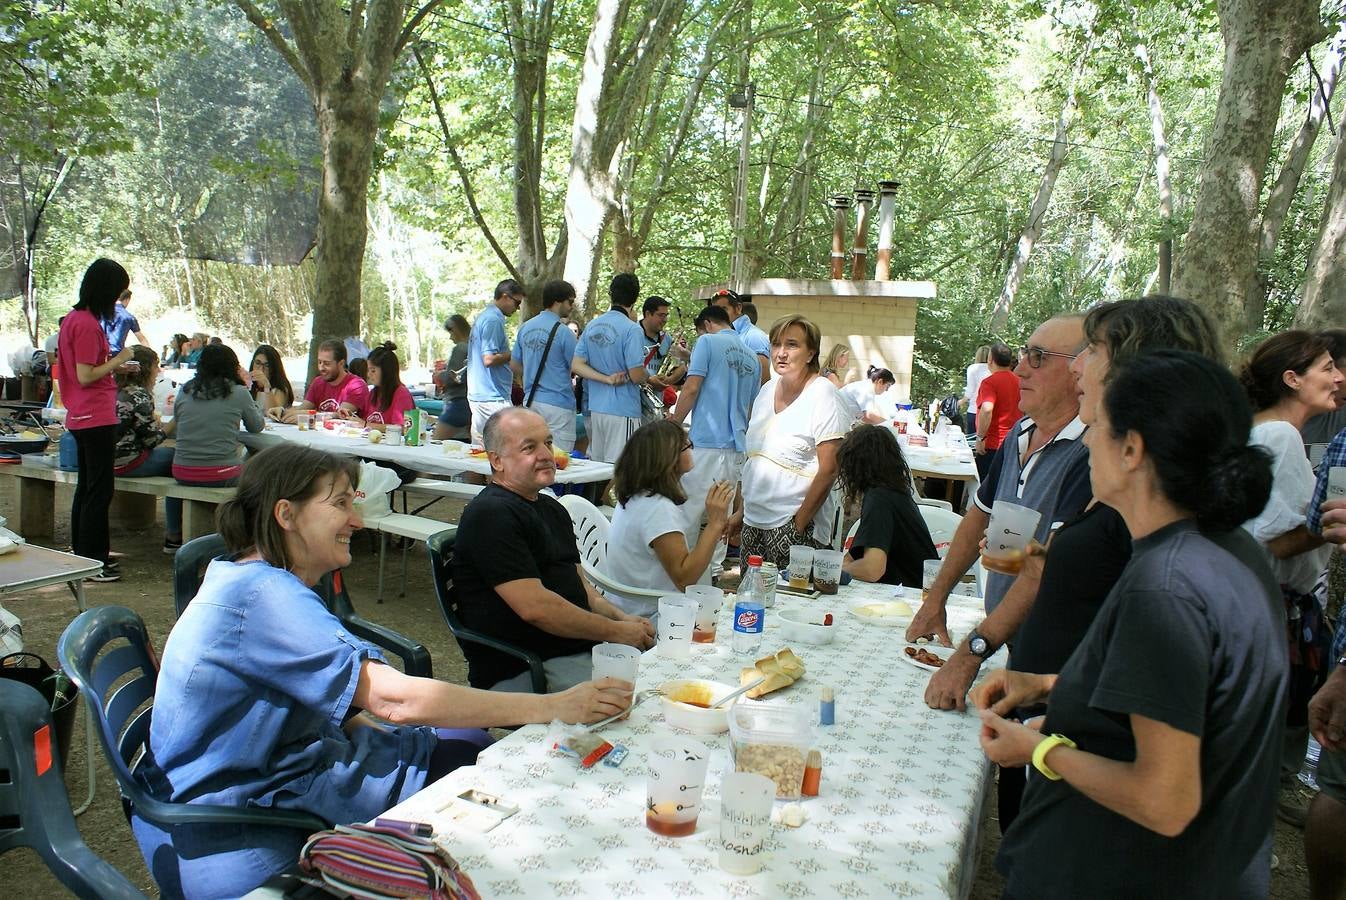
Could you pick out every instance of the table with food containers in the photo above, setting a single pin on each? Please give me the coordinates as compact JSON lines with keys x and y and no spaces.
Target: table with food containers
{"x":885,"y":801}
{"x":435,"y":457}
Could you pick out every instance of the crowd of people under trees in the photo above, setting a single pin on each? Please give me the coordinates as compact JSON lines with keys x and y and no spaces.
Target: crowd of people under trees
{"x":1172,"y":631}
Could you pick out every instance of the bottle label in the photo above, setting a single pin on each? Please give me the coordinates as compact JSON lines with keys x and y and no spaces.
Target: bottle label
{"x":748,"y":619}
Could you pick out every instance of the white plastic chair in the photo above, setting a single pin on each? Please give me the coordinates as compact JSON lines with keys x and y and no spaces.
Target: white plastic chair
{"x":938,"y":504}
{"x":591,"y":534}
{"x":942,"y":524}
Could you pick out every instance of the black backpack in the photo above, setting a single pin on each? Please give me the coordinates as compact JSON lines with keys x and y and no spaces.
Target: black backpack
{"x":948,"y":407}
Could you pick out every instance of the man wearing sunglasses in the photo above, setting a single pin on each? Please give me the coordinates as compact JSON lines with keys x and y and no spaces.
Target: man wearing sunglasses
{"x":1044,"y":465}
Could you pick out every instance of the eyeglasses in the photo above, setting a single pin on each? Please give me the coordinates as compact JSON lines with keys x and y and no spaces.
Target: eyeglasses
{"x":1034,"y":355}
{"x":688,"y":446}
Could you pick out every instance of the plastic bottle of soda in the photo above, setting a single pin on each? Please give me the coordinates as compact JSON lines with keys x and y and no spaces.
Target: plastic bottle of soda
{"x":749,"y":611}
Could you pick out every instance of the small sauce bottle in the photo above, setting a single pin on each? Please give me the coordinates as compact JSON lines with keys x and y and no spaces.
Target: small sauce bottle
{"x":813,"y":774}
{"x":827,"y":709}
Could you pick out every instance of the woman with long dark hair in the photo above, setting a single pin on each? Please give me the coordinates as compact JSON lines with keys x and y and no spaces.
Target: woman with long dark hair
{"x":270,"y":387}
{"x":892,"y":540}
{"x":1154,"y":770}
{"x":207,"y":414}
{"x":84,"y":368}
{"x":389,"y":400}
{"x":646,"y":545}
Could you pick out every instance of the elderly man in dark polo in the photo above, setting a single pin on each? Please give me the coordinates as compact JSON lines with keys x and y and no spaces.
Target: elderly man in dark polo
{"x":1042,"y":464}
{"x":517,"y":568}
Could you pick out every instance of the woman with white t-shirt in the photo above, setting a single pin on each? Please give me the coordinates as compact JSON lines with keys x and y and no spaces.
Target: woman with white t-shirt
{"x":797,"y":420}
{"x":646,"y":545}
{"x":1289,"y":378}
{"x":866,"y":398}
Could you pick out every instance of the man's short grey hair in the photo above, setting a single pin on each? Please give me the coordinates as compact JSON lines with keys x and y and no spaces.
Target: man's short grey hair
{"x":490,"y":434}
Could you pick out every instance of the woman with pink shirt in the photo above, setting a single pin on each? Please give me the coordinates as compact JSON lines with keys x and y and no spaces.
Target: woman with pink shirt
{"x":84,"y":367}
{"x":389,"y":400}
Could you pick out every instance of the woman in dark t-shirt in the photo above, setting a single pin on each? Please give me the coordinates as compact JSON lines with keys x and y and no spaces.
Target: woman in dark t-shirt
{"x":1156,"y":763}
{"x":891,"y":541}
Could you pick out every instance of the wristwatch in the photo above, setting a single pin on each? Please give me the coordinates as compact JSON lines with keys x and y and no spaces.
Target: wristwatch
{"x":979,"y":646}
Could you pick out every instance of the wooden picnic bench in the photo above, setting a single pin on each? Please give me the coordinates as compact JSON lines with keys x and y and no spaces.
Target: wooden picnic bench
{"x":135,"y":507}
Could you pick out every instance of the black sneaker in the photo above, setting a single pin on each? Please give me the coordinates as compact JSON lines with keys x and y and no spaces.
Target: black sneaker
{"x":171,"y":546}
{"x":108,"y":574}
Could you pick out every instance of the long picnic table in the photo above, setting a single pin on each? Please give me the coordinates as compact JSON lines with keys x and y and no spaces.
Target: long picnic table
{"x":430,"y":457}
{"x":897,"y":815}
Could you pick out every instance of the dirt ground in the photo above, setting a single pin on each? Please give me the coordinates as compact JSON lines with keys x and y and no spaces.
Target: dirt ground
{"x":146,"y":587}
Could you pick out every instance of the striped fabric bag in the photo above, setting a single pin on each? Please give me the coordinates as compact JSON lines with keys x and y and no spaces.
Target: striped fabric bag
{"x":376,"y":863}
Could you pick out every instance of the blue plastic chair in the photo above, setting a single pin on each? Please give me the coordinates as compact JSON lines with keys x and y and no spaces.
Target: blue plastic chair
{"x":189,"y":568}
{"x":118,"y":686}
{"x":34,"y":807}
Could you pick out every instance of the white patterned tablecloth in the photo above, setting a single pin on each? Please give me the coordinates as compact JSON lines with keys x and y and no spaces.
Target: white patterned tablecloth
{"x":425,"y":458}
{"x":897,"y":814}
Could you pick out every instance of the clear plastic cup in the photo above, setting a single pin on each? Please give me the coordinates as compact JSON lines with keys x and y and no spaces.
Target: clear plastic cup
{"x":673,"y":792}
{"x":801,"y":564}
{"x":826,"y":570}
{"x":709,"y":599}
{"x":929,"y":572}
{"x":1007,"y":536}
{"x":304,"y":420}
{"x":616,"y":661}
{"x":745,"y":821}
{"x":677,"y":618}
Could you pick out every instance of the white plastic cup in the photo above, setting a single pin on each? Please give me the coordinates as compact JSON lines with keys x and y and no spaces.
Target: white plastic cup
{"x":673,"y":792}
{"x":745,"y":821}
{"x":616,"y":661}
{"x":1007,"y":535}
{"x":677,"y":617}
{"x":827,"y":570}
{"x":801,"y":563}
{"x":709,"y":599}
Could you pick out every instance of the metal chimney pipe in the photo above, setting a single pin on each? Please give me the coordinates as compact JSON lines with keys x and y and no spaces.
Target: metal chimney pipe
{"x":839,"y":203}
{"x":864,"y":199}
{"x":887,"y":204}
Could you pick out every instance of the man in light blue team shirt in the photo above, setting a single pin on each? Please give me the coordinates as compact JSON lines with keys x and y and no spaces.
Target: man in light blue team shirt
{"x":722,"y":381}
{"x":610,"y":355}
{"x":554,"y":397}
{"x":489,"y":378}
{"x":754,"y":338}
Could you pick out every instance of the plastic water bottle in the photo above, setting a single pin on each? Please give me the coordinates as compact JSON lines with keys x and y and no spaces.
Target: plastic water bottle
{"x":749,"y":611}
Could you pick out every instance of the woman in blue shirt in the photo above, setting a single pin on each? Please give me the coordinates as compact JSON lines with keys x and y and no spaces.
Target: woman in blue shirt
{"x":264,"y":699}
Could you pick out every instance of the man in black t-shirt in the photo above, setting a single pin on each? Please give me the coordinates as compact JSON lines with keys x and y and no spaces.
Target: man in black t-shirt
{"x":517,"y":569}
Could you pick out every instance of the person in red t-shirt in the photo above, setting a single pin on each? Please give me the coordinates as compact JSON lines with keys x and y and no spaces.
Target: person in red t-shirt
{"x":334,"y":390}
{"x":389,"y":400}
{"x":997,"y":405}
{"x":84,"y":368}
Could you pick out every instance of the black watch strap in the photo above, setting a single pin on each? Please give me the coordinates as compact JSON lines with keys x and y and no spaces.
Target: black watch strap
{"x":980,"y":646}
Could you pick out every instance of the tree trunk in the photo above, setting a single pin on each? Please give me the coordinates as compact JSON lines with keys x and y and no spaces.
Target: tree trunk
{"x":1032,"y":229}
{"x":1162,"y":176}
{"x":347,"y":125}
{"x":1218,"y":260}
{"x":625,"y":250}
{"x":1287,"y":182}
{"x":1322,"y":301}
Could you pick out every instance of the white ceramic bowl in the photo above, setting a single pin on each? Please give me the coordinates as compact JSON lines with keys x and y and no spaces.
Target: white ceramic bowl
{"x":794,"y":625}
{"x":685,"y":703}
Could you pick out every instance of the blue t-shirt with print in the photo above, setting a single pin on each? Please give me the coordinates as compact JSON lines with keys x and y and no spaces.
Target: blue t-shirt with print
{"x":612,"y":343}
{"x":488,"y":336}
{"x":731,"y":379}
{"x":554,"y":388}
